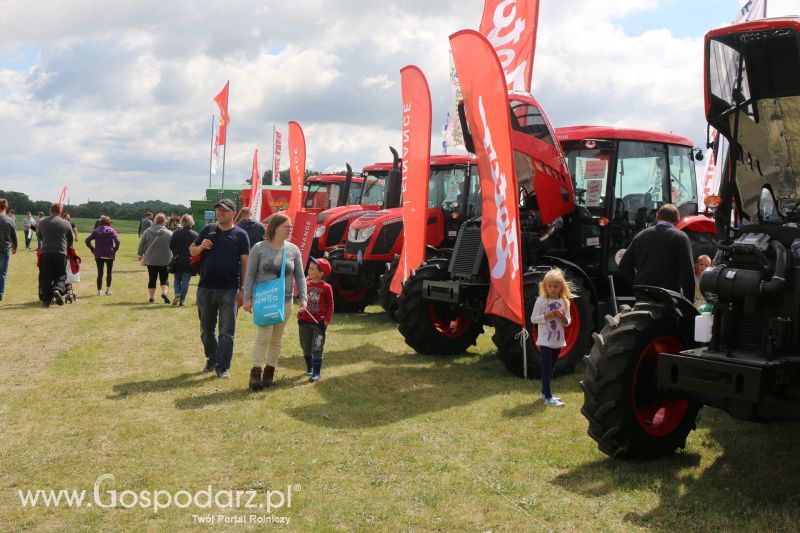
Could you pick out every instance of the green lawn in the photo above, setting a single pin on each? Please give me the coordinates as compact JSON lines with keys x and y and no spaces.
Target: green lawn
{"x":388,"y":441}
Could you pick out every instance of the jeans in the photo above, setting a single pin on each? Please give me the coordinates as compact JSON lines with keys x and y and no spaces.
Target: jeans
{"x":182,"y":284}
{"x":217,"y":305}
{"x":549,"y":357}
{"x":5,"y":257}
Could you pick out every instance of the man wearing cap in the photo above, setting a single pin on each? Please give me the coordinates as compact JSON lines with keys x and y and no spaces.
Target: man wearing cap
{"x":225,"y":248}
{"x":313,"y":321}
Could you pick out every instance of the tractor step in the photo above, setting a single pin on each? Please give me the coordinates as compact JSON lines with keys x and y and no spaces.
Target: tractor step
{"x":453,"y":291}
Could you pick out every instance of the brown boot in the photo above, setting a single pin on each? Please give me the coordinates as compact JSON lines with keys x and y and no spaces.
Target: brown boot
{"x":269,"y":375}
{"x":255,"y":379}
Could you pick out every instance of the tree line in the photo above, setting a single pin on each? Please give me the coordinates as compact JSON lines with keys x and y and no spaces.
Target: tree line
{"x":20,"y":202}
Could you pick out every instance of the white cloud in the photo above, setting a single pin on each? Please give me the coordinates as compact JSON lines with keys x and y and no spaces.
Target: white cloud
{"x":118,"y":102}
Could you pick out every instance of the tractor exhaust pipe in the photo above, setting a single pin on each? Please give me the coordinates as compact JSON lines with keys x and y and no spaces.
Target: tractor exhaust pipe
{"x":393,"y":194}
{"x":344,"y":193}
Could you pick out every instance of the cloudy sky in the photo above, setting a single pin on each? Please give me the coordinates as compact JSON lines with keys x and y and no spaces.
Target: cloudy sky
{"x":114,"y":99}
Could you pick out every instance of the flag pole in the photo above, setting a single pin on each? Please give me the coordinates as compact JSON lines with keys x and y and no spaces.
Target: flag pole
{"x":227,"y":99}
{"x":273,"y":158}
{"x":211,"y":152}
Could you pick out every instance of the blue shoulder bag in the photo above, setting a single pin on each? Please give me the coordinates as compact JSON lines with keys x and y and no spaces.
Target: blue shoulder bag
{"x":268,"y":299}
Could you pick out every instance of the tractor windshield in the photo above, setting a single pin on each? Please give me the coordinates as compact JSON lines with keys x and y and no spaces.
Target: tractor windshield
{"x":373,"y":188}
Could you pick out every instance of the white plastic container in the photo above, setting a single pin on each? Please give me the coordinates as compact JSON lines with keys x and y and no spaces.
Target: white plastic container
{"x":702,"y":327}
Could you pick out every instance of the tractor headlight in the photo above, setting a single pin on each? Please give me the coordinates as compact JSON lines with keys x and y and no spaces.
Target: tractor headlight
{"x":319,"y":231}
{"x":361,"y":235}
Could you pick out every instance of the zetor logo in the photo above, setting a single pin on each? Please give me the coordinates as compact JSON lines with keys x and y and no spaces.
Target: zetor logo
{"x":506,"y":226}
{"x":512,"y":28}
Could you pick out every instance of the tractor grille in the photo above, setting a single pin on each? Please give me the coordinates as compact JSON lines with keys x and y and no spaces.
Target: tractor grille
{"x":387,"y":237}
{"x":336,"y":232}
{"x":355,"y":247}
{"x":468,"y":253}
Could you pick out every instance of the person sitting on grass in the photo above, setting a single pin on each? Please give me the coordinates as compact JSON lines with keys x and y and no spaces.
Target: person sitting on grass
{"x":314,"y":320}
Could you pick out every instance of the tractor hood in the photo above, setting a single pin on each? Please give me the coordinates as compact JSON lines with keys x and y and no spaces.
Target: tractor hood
{"x":378,"y":218}
{"x":343,"y":212}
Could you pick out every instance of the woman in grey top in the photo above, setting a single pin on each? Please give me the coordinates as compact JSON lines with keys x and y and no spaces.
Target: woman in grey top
{"x":154,"y":252}
{"x":265,"y":265}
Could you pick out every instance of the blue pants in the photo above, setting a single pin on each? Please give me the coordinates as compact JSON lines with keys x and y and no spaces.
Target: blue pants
{"x":217,"y":305}
{"x":549,"y":357}
{"x":5,"y":257}
{"x":182,"y":284}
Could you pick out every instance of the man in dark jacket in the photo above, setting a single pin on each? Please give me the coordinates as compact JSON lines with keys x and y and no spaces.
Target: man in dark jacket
{"x":56,"y":237}
{"x":8,"y":243}
{"x":145,"y":223}
{"x":253,"y":228}
{"x":661,"y":255}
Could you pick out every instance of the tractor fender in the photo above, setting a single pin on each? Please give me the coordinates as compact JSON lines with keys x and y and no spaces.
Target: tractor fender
{"x":697,"y":224}
{"x":674,"y":305}
{"x":565,"y":264}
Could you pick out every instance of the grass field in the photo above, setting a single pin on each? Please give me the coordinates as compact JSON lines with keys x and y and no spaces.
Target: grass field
{"x":86,"y":225}
{"x":387,"y":441}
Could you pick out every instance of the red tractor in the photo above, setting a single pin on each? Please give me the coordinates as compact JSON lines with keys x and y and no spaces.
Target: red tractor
{"x":619,"y":178}
{"x":376,"y":239}
{"x":654,"y":365}
{"x":359,"y":195}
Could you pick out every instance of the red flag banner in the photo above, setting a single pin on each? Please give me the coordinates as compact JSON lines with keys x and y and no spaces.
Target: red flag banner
{"x":297,"y":167}
{"x":254,"y":202}
{"x":62,"y":197}
{"x":416,"y":169}
{"x":486,"y":103}
{"x":510,"y":25}
{"x":276,"y":159}
{"x":222,"y":101}
{"x":303,"y":226}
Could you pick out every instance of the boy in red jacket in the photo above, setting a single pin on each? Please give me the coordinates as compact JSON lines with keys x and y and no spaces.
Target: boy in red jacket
{"x":313,"y":322}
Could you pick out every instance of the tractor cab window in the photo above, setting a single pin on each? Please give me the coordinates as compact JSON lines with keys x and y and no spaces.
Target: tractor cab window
{"x":528,"y":119}
{"x":639,"y":185}
{"x":322,"y":195}
{"x":474,"y":200}
{"x":589,"y":169}
{"x":354,"y":194}
{"x":373,"y":188}
{"x":723,"y":70}
{"x":683,"y":185}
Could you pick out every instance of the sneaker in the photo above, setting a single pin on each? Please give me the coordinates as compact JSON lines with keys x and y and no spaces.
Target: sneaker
{"x":180,"y":304}
{"x":165,"y":298}
{"x":99,"y":293}
{"x":58,"y":297}
{"x":175,"y":301}
{"x":209,"y":366}
{"x":554,"y":402}
{"x":314,"y":378}
{"x":309,"y":373}
{"x":543,"y":397}
{"x":108,"y":291}
{"x":224,"y":374}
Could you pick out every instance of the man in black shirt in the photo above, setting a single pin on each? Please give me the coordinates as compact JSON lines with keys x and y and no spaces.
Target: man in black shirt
{"x":8,"y":243}
{"x":661,"y":256}
{"x":253,"y":228}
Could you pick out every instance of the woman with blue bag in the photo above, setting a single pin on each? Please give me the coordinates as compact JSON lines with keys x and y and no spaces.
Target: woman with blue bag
{"x":275,"y":266}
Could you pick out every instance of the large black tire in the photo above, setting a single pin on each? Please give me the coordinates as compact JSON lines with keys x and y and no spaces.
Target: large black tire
{"x":702,"y":244}
{"x":429,"y":326}
{"x":579,"y":334}
{"x":627,"y":416}
{"x":351,"y":294}
{"x":386,"y":297}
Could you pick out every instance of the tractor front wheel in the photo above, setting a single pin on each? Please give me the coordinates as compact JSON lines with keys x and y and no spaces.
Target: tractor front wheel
{"x":628,"y":417}
{"x":386,"y":297}
{"x":430,"y":326}
{"x":351,"y":294}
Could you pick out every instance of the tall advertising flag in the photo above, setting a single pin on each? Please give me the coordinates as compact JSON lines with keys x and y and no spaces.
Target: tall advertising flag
{"x":276,"y":157}
{"x":297,"y":166}
{"x":255,"y":189}
{"x":510,"y":25}
{"x":486,"y":106}
{"x":62,"y":197}
{"x":416,"y":157}
{"x":222,"y":101}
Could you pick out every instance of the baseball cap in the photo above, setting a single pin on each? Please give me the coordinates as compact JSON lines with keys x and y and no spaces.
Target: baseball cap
{"x":323,"y":264}
{"x":226,"y":204}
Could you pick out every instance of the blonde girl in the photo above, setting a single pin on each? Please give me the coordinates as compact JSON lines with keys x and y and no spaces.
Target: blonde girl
{"x":551,"y":315}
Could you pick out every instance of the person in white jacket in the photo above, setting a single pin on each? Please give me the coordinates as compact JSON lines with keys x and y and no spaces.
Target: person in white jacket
{"x":551,"y":314}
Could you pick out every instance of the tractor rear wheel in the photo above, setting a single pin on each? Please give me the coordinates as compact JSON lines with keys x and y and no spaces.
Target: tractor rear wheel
{"x":351,"y":294}
{"x":702,"y":244}
{"x":430,"y":326}
{"x":386,"y":297}
{"x":578,"y":334}
{"x":627,"y":415}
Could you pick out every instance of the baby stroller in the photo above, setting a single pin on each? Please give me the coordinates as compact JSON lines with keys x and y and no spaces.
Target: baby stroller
{"x":68,"y":294}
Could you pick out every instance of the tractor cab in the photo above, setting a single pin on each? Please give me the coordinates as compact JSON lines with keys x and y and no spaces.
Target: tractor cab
{"x":326,"y":191}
